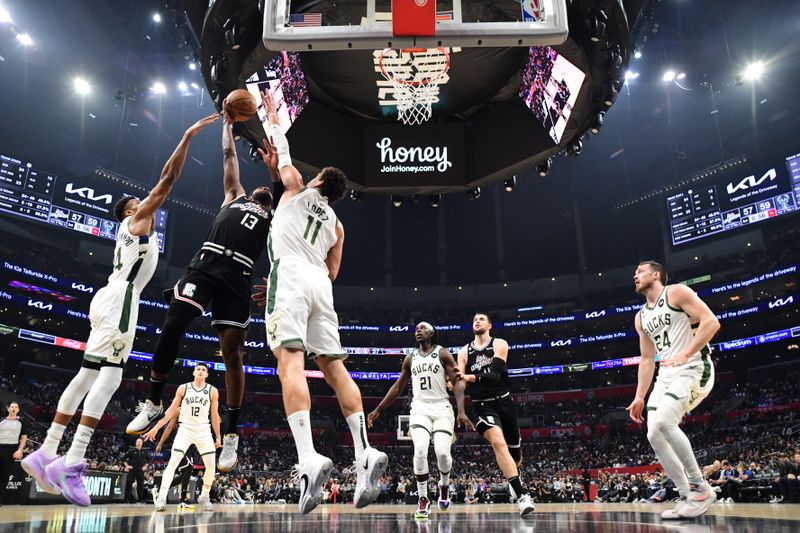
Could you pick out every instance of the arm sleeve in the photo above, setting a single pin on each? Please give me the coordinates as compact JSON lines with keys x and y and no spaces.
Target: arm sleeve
{"x":495,"y":373}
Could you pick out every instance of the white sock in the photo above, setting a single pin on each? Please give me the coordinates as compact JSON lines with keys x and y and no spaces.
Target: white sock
{"x":53,"y":439}
{"x":300,"y":424}
{"x":422,"y":488}
{"x":77,"y":451}
{"x":358,"y":428}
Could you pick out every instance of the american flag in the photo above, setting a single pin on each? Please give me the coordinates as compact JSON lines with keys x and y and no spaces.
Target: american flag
{"x":302,"y":20}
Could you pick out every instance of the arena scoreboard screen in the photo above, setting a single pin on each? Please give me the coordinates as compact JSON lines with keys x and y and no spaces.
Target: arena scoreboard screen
{"x":735,"y":201}
{"x":80,"y":205}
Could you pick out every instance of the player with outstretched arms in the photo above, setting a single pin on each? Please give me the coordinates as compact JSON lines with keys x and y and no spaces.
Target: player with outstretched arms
{"x":429,"y":367}
{"x":113,"y":315}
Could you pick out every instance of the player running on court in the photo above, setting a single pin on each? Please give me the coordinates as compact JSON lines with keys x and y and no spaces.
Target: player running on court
{"x":496,"y":417}
{"x":195,"y":403}
{"x":113,"y":315}
{"x":675,"y":327}
{"x":429,"y":367}
{"x":305,"y":251}
{"x":218,"y":276}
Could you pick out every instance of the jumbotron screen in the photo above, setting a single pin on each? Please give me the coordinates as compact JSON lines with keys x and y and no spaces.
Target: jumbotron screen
{"x":283,"y":76}
{"x":83,"y":205}
{"x":734,"y":201}
{"x":550,"y":87}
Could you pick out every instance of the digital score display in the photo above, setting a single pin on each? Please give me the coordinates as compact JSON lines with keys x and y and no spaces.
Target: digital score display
{"x":68,"y":203}
{"x":735,"y":202}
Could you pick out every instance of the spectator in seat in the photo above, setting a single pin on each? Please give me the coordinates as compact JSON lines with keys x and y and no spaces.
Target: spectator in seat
{"x":785,"y":485}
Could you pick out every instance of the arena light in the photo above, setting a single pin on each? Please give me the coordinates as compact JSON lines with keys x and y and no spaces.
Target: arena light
{"x":156,"y":17}
{"x":397,"y":201}
{"x":597,"y":122}
{"x":544,"y":167}
{"x":24,"y":39}
{"x":754,"y":70}
{"x":5,"y":16}
{"x":158,"y":88}
{"x":194,"y":86}
{"x":356,"y":195}
{"x":192,"y":65}
{"x":668,"y":76}
{"x":435,"y":199}
{"x":509,"y":184}
{"x":183,"y":87}
{"x":232,"y":33}
{"x":81,"y":85}
{"x":631,"y":75}
{"x":637,"y":54}
{"x":575,"y":148}
{"x":474,"y":193}
{"x":680,"y":76}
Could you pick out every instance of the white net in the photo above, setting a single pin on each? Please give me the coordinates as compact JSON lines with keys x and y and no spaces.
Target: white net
{"x":415,"y":75}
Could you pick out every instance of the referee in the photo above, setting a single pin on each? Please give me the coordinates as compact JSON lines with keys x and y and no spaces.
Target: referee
{"x":13,"y":436}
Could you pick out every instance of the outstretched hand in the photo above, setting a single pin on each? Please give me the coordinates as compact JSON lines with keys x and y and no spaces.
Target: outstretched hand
{"x":635,"y":410}
{"x":260,"y":296}
{"x":269,"y":157}
{"x":195,"y":128}
{"x":464,"y":421}
{"x":372,"y":417}
{"x":269,"y":103}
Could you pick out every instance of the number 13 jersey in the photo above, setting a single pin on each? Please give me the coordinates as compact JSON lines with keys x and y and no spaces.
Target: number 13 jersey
{"x":304,"y":227}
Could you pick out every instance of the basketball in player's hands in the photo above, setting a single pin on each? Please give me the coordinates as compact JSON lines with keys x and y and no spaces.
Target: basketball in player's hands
{"x":240,"y":105}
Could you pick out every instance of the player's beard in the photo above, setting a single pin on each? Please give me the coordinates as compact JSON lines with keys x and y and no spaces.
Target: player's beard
{"x":478,"y":331}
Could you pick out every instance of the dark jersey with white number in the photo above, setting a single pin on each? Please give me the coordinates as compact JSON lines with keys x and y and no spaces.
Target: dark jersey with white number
{"x":479,"y":362}
{"x":235,"y":241}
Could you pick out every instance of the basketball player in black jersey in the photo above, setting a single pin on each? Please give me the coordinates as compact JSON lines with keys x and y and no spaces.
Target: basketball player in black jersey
{"x":218,"y":276}
{"x":482,"y":367}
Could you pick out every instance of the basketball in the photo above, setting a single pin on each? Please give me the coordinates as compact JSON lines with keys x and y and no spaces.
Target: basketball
{"x":240,"y":105}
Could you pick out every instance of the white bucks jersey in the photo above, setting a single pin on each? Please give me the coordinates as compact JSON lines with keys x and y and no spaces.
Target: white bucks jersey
{"x":304,"y":227}
{"x":135,"y":258}
{"x":195,"y":406}
{"x":670,"y":329}
{"x":428,"y":377}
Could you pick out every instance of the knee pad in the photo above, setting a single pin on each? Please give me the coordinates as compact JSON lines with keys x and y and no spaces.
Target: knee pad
{"x":441,"y":445}
{"x":104,"y":387}
{"x":422,"y":440}
{"x":76,"y":390}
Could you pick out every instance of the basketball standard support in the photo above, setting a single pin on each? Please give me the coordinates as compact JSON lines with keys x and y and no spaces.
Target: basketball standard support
{"x":374,"y":32}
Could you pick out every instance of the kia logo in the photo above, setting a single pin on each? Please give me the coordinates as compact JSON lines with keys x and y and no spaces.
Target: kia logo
{"x":40,"y":305}
{"x":750,"y":181}
{"x":596,"y":314}
{"x":89,"y":194}
{"x":398,"y":328}
{"x":566,"y":342}
{"x":81,"y":287}
{"x":780,"y":302}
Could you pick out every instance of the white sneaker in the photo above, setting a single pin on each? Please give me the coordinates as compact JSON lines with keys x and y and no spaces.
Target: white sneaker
{"x":370,"y":466}
{"x":154,"y":493}
{"x":311,"y":475}
{"x":148,"y":412}
{"x":525,"y":505}
{"x":205,"y":501}
{"x":228,"y":458}
{"x":161,"y":504}
{"x":674,"y":513}
{"x":698,"y":501}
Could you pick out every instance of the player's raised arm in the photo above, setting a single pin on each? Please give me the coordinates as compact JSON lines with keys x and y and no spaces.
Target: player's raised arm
{"x":230,"y":163}
{"x":290,"y":177}
{"x":141,"y":222}
{"x":215,"y":418}
{"x":647,"y":367}
{"x":334,"y":258}
{"x":697,"y":310}
{"x":451,"y":367}
{"x":393,"y":392}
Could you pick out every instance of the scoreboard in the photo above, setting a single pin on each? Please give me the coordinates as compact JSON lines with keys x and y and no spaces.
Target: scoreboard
{"x":79,"y":205}
{"x":734,"y":201}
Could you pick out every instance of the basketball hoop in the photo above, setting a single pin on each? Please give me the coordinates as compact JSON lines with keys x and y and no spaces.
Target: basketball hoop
{"x":415,"y":74}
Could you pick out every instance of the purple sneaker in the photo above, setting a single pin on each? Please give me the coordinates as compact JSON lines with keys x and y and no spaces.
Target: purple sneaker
{"x":34,"y":465}
{"x":69,"y":479}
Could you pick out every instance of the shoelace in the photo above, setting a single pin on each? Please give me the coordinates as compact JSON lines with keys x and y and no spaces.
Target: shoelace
{"x":295,"y":474}
{"x":141,"y":407}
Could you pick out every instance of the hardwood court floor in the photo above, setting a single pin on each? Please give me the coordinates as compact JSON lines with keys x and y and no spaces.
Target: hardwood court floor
{"x":578,"y":518}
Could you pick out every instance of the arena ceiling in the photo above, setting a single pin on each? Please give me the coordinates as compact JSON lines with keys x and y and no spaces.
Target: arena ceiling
{"x":655,"y":134}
